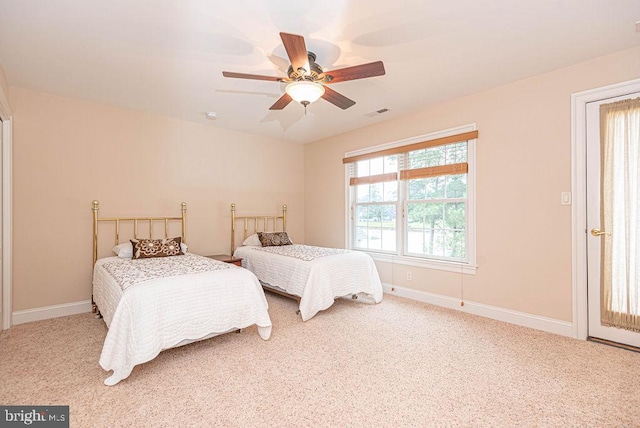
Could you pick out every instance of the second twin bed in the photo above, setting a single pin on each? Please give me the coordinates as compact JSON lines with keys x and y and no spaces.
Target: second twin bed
{"x":315,"y":276}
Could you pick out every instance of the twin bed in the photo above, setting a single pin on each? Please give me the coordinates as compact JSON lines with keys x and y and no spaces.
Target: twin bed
{"x":315,"y":276}
{"x":152,"y":304}
{"x":155,"y":303}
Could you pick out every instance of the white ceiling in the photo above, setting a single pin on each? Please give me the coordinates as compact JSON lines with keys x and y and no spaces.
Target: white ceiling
{"x":167,"y":57}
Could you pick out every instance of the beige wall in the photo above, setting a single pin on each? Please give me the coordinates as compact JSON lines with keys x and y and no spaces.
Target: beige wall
{"x":5,"y":108}
{"x":523,"y":164}
{"x":4,"y":85}
{"x":68,"y":152}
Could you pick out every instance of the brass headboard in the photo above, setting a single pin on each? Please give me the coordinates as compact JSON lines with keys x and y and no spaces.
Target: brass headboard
{"x":135,"y":220}
{"x":256,"y":220}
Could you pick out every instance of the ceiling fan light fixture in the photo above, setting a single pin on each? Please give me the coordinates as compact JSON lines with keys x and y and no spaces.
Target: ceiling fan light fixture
{"x":304,"y":91}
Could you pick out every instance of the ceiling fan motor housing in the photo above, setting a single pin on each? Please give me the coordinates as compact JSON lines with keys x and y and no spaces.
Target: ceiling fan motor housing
{"x":312,"y":74}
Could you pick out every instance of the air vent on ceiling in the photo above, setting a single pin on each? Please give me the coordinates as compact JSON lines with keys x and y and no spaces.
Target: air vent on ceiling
{"x":377,"y":112}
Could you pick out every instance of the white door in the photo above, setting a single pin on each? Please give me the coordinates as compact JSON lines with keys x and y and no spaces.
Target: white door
{"x":594,"y":224}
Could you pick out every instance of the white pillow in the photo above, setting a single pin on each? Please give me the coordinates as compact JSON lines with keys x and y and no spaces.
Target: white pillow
{"x":252,"y":240}
{"x":125,"y":250}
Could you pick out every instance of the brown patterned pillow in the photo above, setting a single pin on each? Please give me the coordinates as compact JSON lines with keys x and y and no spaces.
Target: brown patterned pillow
{"x":148,"y":248}
{"x":274,"y":239}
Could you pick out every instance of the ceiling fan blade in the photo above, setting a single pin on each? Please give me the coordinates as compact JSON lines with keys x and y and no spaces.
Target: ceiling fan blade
{"x":297,"y":51}
{"x":253,"y":76}
{"x":282,"y":102}
{"x":337,"y":99}
{"x":352,"y":73}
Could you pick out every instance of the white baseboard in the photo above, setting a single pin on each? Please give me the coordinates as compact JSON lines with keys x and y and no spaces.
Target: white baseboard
{"x":550,"y":325}
{"x":537,"y":322}
{"x":38,"y":314}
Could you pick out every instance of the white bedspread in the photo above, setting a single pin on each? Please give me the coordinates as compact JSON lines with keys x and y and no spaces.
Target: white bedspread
{"x":162,"y":313}
{"x":314,"y":274}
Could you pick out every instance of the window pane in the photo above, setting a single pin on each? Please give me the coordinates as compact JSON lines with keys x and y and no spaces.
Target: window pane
{"x":455,"y":215}
{"x":434,"y":242}
{"x":362,"y":168}
{"x":361,"y":237}
{"x":389,"y":228}
{"x":435,"y":187}
{"x":381,"y":165}
{"x":389,"y":216}
{"x":375,"y":192}
{"x":375,"y":213}
{"x":425,"y":215}
{"x":434,"y":215}
{"x":375,"y":227}
{"x":374,"y":239}
{"x":440,"y":155}
{"x":456,"y":186}
{"x":417,"y":188}
{"x":456,"y":153}
{"x":415,"y":216}
{"x":415,"y":241}
{"x":455,"y":244}
{"x":362,"y":215}
{"x":376,"y":166}
{"x":435,"y":156}
{"x":417,"y":159}
{"x":390,"y":191}
{"x":436,"y":229}
{"x":391,"y":163}
{"x":362,"y":193}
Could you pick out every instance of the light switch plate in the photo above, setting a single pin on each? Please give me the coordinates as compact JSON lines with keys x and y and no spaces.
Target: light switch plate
{"x":565,"y":198}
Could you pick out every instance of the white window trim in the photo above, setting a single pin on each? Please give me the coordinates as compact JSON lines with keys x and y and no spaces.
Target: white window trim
{"x":451,"y":266}
{"x":6,"y":246}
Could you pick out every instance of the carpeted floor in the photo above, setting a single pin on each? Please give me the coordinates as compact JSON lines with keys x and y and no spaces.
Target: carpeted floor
{"x":399,"y":363}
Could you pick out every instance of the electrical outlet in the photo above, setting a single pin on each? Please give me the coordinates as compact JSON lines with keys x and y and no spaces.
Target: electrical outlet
{"x":409,"y":276}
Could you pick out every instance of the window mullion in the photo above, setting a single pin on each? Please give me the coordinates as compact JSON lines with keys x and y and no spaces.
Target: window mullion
{"x":403,"y":191}
{"x":439,"y":200}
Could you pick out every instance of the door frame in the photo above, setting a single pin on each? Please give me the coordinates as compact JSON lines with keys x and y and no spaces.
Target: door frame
{"x":579,"y":196}
{"x":7,"y":209}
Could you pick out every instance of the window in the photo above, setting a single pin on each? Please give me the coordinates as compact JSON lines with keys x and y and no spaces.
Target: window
{"x":413,"y":201}
{"x":375,"y":206}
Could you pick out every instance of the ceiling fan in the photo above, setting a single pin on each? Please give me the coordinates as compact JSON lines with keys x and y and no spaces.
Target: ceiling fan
{"x":306,"y":79}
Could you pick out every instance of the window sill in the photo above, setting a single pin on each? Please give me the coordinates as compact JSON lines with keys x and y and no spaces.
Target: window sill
{"x":427,"y":264}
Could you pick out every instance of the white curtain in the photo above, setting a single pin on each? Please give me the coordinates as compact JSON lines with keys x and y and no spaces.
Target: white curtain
{"x":620,"y":282}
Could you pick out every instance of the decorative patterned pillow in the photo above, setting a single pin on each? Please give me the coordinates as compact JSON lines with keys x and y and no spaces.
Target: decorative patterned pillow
{"x":125,"y":250}
{"x":148,"y":248}
{"x":274,"y":239}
